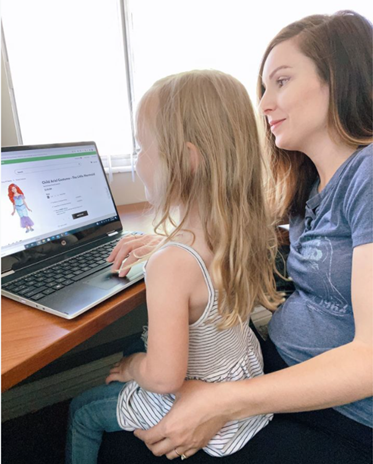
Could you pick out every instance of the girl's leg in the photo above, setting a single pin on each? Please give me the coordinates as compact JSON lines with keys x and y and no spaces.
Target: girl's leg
{"x":91,"y":414}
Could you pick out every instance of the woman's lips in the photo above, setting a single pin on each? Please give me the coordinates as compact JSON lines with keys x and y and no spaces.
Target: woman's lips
{"x":275,"y":124}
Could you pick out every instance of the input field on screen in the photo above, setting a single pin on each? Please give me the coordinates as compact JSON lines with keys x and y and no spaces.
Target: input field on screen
{"x":47,"y":168}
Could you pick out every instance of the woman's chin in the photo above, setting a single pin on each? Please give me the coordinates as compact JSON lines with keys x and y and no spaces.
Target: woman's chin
{"x":285,"y":144}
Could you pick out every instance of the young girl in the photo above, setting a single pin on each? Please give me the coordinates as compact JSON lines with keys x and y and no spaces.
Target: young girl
{"x":200,"y":158}
{"x":18,"y":200}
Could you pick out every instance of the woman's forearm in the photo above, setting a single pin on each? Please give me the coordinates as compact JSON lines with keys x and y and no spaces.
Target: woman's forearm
{"x":336,"y":377}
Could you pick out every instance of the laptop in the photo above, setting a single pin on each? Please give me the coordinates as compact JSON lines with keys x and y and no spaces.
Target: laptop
{"x":59,"y":223}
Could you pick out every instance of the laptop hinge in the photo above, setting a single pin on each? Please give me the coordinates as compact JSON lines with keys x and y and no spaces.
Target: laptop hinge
{"x":7,"y":273}
{"x":113,"y":232}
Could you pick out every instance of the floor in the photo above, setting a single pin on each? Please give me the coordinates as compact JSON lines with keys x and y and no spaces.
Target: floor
{"x":35,"y":438}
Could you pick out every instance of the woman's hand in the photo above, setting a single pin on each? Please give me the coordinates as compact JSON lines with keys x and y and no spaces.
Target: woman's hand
{"x":131,"y":248}
{"x":120,"y":372}
{"x":193,"y":420}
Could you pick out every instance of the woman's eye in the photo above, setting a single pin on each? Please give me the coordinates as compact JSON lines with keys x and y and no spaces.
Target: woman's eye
{"x":282,"y":81}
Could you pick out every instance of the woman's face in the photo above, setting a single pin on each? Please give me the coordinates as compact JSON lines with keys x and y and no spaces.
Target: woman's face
{"x":295,"y":100}
{"x":14,"y":190}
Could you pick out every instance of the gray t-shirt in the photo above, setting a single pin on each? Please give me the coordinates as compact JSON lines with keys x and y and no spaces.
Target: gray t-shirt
{"x":318,"y":316}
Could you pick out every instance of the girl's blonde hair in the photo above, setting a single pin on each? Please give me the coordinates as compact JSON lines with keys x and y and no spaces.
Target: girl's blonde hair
{"x":213,"y":111}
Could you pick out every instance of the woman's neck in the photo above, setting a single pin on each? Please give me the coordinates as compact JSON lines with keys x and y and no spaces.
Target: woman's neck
{"x":328,"y":155}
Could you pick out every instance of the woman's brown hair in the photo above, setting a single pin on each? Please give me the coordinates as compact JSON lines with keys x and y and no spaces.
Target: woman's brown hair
{"x":340,"y":45}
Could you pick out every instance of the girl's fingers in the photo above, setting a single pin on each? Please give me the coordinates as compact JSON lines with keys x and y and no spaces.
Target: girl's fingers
{"x":114,"y":377}
{"x":133,"y":257}
{"x":121,"y":252}
{"x":130,"y":261}
{"x":111,"y":378}
{"x":130,"y":251}
{"x":127,"y":244}
{"x":131,"y":243}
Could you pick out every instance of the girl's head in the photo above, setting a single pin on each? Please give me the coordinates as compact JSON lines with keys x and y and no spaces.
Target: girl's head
{"x":200,"y":151}
{"x":316,"y":80}
{"x":197,"y":132}
{"x":12,"y":190}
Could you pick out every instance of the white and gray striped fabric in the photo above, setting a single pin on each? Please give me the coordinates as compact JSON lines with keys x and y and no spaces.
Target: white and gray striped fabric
{"x":214,"y":356}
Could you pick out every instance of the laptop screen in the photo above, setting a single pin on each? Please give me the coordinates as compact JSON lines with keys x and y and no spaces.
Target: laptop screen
{"x":51,"y":192}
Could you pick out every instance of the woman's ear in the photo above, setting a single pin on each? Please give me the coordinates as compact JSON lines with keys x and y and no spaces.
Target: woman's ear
{"x":193,"y":156}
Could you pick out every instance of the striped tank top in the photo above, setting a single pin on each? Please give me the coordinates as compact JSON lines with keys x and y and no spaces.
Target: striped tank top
{"x":214,"y":356}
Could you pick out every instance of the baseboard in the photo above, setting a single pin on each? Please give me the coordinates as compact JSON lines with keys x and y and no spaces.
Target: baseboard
{"x":36,"y":395}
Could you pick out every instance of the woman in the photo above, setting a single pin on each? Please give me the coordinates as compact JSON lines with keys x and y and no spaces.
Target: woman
{"x":315,"y":95}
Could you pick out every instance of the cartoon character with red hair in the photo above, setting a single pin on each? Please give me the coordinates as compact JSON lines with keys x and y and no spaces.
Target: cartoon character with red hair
{"x":17,"y":197}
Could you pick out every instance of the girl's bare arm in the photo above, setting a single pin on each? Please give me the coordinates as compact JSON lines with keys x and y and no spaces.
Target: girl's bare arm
{"x":163,"y":368}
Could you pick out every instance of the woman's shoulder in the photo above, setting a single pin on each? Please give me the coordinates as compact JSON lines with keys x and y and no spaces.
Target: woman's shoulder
{"x":363,"y":160}
{"x":360,"y":168}
{"x":367,"y":150}
{"x":357,"y":187}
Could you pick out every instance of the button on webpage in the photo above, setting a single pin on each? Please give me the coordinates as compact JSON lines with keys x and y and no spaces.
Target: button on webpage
{"x":79,"y":215}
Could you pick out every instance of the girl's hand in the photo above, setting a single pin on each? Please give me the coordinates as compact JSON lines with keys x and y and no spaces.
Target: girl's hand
{"x":132,"y":248}
{"x":193,"y":420}
{"x":29,"y":209}
{"x":120,"y":371}
{"x":13,"y":213}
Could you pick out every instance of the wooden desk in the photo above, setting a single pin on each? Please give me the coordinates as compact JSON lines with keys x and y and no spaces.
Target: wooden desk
{"x":31,"y":339}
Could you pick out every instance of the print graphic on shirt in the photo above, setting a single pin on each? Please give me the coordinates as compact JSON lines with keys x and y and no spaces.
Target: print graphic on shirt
{"x":319,"y":252}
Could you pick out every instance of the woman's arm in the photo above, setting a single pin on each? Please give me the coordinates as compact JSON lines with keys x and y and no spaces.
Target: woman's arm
{"x":163,"y":368}
{"x":336,"y":377}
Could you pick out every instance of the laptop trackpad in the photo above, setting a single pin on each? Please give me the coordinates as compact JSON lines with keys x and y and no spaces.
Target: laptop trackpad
{"x":106,"y":281}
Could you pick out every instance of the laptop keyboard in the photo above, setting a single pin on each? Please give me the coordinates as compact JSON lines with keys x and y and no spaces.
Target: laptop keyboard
{"x":49,"y":280}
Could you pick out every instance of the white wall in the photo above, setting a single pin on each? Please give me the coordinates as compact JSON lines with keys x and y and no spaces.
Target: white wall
{"x":8,"y":131}
{"x":125,"y":191}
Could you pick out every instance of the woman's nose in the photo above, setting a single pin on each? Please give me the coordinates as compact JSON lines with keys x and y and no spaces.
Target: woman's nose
{"x":266,"y":103}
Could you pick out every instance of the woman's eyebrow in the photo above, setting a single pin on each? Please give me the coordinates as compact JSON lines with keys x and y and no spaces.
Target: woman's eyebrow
{"x":284,"y":66}
{"x":277,"y":69}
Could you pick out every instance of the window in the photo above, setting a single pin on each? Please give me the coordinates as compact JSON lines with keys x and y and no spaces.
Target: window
{"x":73,"y":69}
{"x":68,"y":70}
